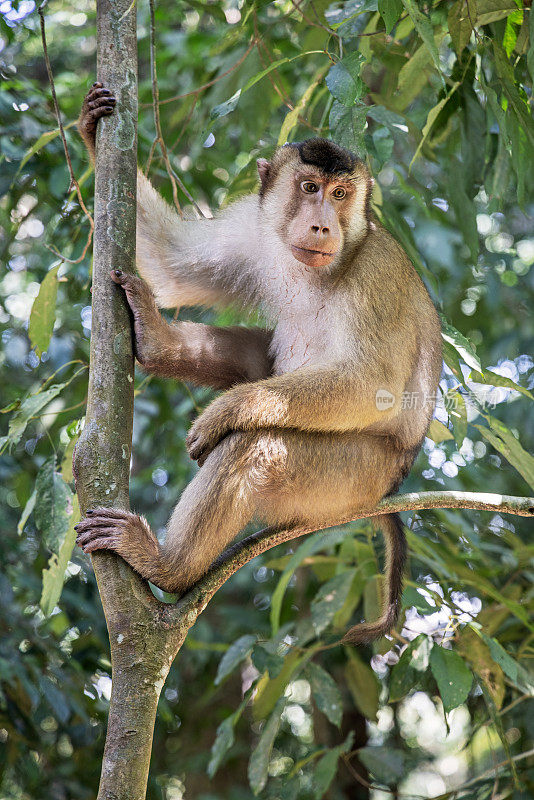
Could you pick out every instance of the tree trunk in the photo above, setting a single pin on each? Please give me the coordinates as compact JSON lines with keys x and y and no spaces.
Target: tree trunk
{"x":141,"y":650}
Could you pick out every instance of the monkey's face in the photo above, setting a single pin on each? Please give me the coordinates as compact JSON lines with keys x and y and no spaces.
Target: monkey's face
{"x":315,"y":206}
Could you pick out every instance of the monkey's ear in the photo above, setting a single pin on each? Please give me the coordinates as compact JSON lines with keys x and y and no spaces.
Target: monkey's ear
{"x":264,"y":167}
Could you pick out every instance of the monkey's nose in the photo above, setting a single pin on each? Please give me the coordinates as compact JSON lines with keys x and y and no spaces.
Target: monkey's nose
{"x":317,"y":229}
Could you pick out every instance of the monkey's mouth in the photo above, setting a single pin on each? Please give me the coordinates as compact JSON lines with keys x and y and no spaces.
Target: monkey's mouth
{"x":313,"y":258}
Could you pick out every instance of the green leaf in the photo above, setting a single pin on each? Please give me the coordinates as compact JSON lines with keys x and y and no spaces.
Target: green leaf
{"x":223,"y":742}
{"x":494,"y":10}
{"x":390,"y":11}
{"x":235,"y":654}
{"x":329,"y":599}
{"x":325,"y":693}
{"x":270,"y":690}
{"x":363,"y":686}
{"x":319,"y":541}
{"x":511,"y":92}
{"x":463,"y":205}
{"x":530,"y":53}
{"x":439,"y":432}
{"x":54,"y":575}
{"x":54,"y":505}
{"x":28,"y":508}
{"x":292,"y":117}
{"x":347,"y":125}
{"x":227,"y":107}
{"x":477,"y":654}
{"x":224,"y":738}
{"x":264,"y":660}
{"x":490,"y":378}
{"x":43,"y":313}
{"x":452,"y":675}
{"x":326,"y":768}
{"x":517,"y":673}
{"x":412,"y":77}
{"x":431,"y":118}
{"x":511,"y":31}
{"x":258,"y":764}
{"x":425,"y":29}
{"x":504,"y":441}
{"x":386,"y":764}
{"x":343,"y":80}
{"x":408,"y":672}
{"x":460,"y":20}
{"x":411,"y":598}
{"x":461,"y":344}
{"x":44,"y":139}
{"x":455,"y":405}
{"x":29,"y":408}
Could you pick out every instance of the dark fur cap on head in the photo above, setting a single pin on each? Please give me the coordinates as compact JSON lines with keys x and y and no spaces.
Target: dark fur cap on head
{"x":327,"y":155}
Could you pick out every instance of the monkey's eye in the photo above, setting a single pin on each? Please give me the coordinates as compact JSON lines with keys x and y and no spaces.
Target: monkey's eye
{"x":339,"y":193}
{"x":309,"y":187}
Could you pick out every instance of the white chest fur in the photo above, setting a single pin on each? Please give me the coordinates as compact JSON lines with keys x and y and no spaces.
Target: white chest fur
{"x":310,"y":329}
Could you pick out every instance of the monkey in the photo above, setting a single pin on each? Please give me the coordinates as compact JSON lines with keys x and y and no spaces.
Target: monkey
{"x":311,"y":424}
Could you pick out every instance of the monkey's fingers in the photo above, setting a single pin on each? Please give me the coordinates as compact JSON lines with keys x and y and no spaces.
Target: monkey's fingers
{"x":98,"y":103}
{"x":99,"y":539}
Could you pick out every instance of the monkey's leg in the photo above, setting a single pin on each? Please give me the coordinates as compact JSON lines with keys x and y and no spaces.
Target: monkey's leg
{"x":282,"y":476}
{"x":213,"y":508}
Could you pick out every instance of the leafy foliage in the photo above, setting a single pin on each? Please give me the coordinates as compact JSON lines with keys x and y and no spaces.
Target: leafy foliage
{"x":437,"y":98}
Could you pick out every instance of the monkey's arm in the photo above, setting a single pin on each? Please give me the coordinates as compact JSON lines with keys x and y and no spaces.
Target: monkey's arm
{"x":323,"y":398}
{"x":211,"y":262}
{"x":203,"y":354}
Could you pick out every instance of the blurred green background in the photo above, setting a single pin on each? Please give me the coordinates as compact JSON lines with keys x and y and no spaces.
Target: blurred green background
{"x":438,"y":98}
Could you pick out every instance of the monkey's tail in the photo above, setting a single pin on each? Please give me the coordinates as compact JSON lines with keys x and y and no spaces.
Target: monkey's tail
{"x":396,"y":551}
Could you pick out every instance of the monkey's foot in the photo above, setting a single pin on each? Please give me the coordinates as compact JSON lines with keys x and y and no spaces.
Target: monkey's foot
{"x":127,"y":534}
{"x":97,"y":103}
{"x":149,"y":327}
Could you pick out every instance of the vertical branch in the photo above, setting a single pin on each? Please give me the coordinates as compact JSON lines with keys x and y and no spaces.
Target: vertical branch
{"x":141,"y":649}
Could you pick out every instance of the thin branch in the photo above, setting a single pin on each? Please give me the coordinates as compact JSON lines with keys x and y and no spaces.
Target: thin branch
{"x":240,"y":553}
{"x":73,"y":182}
{"x":155,"y":103}
{"x":207,"y":85}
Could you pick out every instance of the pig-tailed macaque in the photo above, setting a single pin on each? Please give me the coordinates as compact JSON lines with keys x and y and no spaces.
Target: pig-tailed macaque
{"x":313,"y":422}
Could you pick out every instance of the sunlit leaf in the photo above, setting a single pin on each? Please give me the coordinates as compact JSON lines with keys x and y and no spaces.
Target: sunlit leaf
{"x":43,"y":313}
{"x":504,"y":441}
{"x":54,"y":574}
{"x":54,"y":505}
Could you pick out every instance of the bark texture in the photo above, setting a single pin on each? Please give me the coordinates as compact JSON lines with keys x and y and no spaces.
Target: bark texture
{"x":141,"y":650}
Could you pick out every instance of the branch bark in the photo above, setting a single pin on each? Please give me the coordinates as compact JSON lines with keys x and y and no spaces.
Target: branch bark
{"x":141,"y":652}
